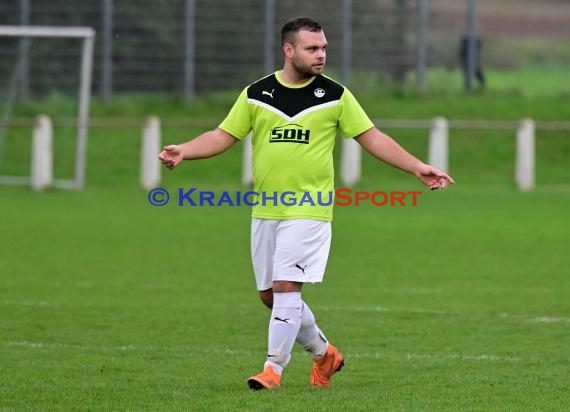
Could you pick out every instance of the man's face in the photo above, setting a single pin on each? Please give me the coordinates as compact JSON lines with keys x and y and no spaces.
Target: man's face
{"x":308,"y":54}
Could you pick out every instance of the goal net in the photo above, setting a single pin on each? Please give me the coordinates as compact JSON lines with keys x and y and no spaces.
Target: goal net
{"x":31,"y":76}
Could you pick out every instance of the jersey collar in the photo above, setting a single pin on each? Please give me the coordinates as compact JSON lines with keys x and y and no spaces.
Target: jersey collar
{"x":292,"y":86}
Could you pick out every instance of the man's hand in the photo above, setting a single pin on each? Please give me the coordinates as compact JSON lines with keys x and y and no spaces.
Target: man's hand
{"x":171,"y":156}
{"x":206,"y":145}
{"x":384,"y":148}
{"x":432,"y":177}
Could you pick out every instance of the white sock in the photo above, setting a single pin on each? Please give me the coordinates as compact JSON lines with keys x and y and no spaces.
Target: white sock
{"x":310,"y":337}
{"x":283,"y":328}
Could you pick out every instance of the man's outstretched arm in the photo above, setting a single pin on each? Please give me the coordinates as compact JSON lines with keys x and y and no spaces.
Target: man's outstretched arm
{"x":384,"y":148}
{"x":208,"y":144}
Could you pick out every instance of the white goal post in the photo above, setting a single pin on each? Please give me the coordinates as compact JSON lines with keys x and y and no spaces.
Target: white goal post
{"x":87,"y":35}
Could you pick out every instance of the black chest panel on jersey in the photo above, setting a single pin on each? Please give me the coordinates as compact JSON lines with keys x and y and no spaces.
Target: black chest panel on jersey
{"x":293,"y":101}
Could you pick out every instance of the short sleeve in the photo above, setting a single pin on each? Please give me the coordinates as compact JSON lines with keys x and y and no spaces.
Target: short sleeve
{"x":238,"y":121}
{"x":353,"y":119}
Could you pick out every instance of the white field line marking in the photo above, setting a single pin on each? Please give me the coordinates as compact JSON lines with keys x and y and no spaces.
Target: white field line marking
{"x":536,"y":318}
{"x":27,"y":303}
{"x":242,"y":352}
{"x":56,"y":345}
{"x":387,"y":310}
{"x":380,"y":309}
{"x":497,"y":358}
{"x":403,"y":310}
{"x":421,"y":311}
{"x":549,"y":319}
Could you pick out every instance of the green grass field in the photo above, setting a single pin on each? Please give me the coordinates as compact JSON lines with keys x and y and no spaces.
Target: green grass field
{"x":458,"y":304}
{"x":108,"y":303}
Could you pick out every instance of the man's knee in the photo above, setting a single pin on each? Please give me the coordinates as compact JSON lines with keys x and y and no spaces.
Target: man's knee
{"x":266,"y":297}
{"x":285,"y":286}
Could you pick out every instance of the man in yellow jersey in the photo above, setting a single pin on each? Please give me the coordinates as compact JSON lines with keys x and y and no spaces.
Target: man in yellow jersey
{"x":295,"y":114}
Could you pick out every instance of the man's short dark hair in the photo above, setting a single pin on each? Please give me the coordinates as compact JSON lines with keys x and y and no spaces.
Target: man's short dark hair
{"x":294,"y":25}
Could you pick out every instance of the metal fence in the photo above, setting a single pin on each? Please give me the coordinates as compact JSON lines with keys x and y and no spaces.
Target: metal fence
{"x":193,"y":46}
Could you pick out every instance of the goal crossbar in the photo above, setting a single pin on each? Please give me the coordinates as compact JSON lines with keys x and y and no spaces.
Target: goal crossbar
{"x":47,"y":31}
{"x":87,"y":35}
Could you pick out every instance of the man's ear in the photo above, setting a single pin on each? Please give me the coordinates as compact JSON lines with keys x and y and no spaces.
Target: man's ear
{"x":288,"y":49}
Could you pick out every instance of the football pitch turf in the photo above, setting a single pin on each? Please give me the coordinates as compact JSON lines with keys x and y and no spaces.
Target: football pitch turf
{"x":109,"y":303}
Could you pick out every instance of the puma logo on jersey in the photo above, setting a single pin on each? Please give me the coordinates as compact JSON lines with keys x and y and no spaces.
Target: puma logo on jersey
{"x":267,"y":93}
{"x":290,"y":133}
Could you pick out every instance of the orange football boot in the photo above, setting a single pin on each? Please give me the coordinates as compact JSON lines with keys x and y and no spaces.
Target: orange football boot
{"x":268,"y":379}
{"x":326,"y":366}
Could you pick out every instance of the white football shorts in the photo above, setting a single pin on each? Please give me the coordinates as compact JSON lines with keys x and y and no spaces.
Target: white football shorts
{"x":295,"y":250}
